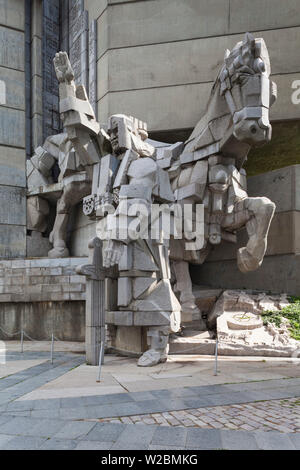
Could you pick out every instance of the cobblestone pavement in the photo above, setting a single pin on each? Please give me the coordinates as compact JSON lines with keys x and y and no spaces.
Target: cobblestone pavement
{"x":272,"y":415}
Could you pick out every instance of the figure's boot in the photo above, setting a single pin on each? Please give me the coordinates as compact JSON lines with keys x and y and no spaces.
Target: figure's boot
{"x":159,"y":347}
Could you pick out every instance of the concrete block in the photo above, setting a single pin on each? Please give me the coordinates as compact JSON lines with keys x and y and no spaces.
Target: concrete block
{"x":37,"y":95}
{"x":123,"y":318}
{"x":36,"y":57}
{"x":36,"y":19}
{"x":12,"y":241}
{"x":245,"y":16}
{"x":124,"y":291}
{"x":37,"y":130}
{"x":13,"y":205}
{"x":95,"y":8}
{"x":146,"y":318}
{"x":12,"y":14}
{"x":150,"y":25}
{"x":12,"y":127}
{"x":14,"y":96}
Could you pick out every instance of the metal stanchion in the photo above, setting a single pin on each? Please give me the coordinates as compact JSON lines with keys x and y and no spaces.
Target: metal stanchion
{"x":52,"y":348}
{"x":216,"y":358}
{"x":101,"y":358}
{"x":22,"y":341}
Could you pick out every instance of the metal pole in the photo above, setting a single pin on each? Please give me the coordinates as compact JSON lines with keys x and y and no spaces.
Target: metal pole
{"x":100,"y":361}
{"x":22,"y":341}
{"x":216,"y":358}
{"x":52,"y":348}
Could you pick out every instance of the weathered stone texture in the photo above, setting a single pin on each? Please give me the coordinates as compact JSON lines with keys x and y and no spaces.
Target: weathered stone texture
{"x":12,"y":241}
{"x":13,"y":205}
{"x":12,"y":127}
{"x":12,"y":13}
{"x":14,"y":88}
{"x":12,"y":163}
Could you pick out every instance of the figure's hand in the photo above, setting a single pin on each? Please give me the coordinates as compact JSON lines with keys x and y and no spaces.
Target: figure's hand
{"x":63,"y":68}
{"x":112,"y":253}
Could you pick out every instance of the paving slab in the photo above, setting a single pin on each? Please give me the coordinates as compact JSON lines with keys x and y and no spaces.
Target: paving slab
{"x":4,"y":439}
{"x":273,"y":441}
{"x":58,"y":444}
{"x":203,"y":439}
{"x":92,"y":445}
{"x":24,"y":443}
{"x":18,"y":426}
{"x":238,"y":440}
{"x":75,"y":430}
{"x":295,"y":439}
{"x":135,"y":437}
{"x":105,"y":432}
{"x":168,"y":436}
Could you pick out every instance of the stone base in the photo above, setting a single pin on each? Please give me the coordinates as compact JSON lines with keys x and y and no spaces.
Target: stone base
{"x":207,"y":347}
{"x":42,"y":296}
{"x":128,"y":341}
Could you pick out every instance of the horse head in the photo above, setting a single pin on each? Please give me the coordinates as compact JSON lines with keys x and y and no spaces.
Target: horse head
{"x":248,"y":91}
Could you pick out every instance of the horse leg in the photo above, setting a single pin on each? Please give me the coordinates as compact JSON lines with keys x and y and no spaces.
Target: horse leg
{"x":73,"y":193}
{"x":259,"y":212}
{"x":184,"y":286}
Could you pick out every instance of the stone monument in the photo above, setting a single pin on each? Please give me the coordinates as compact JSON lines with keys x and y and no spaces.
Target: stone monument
{"x":122,"y":175}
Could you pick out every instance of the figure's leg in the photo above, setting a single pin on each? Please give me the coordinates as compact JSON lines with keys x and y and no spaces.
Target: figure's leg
{"x":158,"y":306}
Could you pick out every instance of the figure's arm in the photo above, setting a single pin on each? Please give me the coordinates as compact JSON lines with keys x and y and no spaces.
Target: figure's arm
{"x":77,"y":113}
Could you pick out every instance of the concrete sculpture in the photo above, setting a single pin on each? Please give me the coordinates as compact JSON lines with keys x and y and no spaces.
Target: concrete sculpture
{"x":130,"y":173}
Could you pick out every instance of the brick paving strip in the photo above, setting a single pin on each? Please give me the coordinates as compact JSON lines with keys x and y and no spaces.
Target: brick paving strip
{"x":272,"y":415}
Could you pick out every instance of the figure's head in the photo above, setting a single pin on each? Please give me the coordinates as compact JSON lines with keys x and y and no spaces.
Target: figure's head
{"x":248,"y":91}
{"x":120,"y":130}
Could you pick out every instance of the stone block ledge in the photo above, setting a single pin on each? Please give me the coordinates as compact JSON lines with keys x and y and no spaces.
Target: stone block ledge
{"x":41,"y":280}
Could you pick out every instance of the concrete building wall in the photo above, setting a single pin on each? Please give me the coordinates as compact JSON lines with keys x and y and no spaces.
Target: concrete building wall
{"x":280,"y":271}
{"x":157,"y":59}
{"x":12,"y":130}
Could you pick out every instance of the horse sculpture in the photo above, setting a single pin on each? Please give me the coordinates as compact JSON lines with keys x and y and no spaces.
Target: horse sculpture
{"x":236,"y":118}
{"x":129,"y":169}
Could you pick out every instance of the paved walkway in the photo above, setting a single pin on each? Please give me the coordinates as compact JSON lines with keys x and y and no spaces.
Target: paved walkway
{"x":196,"y":416}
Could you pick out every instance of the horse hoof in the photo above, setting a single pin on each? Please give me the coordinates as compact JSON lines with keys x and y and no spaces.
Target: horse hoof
{"x":246,"y":262}
{"x":58,"y":253}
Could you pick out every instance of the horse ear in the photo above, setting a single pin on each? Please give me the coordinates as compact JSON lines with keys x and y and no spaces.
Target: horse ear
{"x":227,"y":54}
{"x":249,"y":40}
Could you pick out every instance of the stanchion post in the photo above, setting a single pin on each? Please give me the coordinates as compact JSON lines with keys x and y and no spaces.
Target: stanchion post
{"x":52,"y":348}
{"x":101,"y":358}
{"x":216,"y":358}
